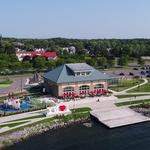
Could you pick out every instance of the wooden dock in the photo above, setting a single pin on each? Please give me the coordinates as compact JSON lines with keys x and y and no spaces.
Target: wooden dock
{"x":118,"y":116}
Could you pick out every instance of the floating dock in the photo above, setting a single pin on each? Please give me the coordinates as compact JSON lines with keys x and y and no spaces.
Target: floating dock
{"x":117,"y":117}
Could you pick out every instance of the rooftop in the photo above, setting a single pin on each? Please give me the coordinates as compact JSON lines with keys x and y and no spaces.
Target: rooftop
{"x":65,"y":74}
{"x":79,"y":67}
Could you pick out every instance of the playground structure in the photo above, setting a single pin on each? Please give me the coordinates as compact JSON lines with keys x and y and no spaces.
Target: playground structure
{"x":12,"y":103}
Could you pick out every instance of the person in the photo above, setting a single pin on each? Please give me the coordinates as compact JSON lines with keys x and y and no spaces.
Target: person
{"x":98,"y":100}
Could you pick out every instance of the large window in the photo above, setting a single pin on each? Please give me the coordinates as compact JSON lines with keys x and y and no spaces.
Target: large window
{"x":98,"y":87}
{"x":84,"y":88}
{"x":68,"y":89}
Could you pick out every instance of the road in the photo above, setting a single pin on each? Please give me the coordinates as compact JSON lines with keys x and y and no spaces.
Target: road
{"x":17,"y":85}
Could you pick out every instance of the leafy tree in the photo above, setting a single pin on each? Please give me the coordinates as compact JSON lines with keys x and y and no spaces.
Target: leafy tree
{"x":102,"y":61}
{"x":123,"y":61}
{"x":141,"y":61}
{"x":39,"y":62}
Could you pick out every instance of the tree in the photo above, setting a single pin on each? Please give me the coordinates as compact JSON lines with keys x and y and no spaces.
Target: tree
{"x":102,"y":61}
{"x":91,"y":62}
{"x":111,"y":63}
{"x":140,"y":61}
{"x":123,"y":61}
{"x":26,"y":65}
{"x":39,"y":62}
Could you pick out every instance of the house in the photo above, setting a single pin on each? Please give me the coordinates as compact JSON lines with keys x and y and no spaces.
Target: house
{"x":75,"y":79}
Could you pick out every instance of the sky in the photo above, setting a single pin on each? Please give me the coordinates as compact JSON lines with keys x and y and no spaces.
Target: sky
{"x":84,"y":19}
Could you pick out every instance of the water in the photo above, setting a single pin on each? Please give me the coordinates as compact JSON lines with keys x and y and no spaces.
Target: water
{"x":98,"y":137}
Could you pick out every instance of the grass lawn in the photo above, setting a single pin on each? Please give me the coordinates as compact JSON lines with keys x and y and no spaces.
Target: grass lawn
{"x":5,"y":83}
{"x":28,"y":118}
{"x":13,"y":124}
{"x":131,"y":102}
{"x":131,"y":95}
{"x":143,"y":88}
{"x":78,"y":110}
{"x":125,"y":84}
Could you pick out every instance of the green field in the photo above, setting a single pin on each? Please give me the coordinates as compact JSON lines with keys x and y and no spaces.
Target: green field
{"x":5,"y":83}
{"x":132,"y":102}
{"x":125,"y":84}
{"x":10,"y":125}
{"x":143,"y":88}
{"x":131,"y":95}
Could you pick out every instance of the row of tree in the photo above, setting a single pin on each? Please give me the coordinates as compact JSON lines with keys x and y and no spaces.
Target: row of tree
{"x":101,"y":52}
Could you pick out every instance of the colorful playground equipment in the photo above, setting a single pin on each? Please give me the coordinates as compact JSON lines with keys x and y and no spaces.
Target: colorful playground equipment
{"x":12,"y":103}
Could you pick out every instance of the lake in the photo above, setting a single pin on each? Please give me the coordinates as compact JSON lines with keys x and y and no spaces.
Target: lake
{"x":98,"y":137}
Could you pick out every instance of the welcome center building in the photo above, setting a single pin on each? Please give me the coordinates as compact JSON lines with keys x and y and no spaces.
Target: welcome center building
{"x":75,"y":79}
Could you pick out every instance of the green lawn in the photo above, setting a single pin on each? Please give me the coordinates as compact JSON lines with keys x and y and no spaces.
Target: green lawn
{"x":143,"y":88}
{"x":28,"y":118}
{"x":5,"y":83}
{"x":125,"y":84}
{"x":131,"y":102}
{"x":131,"y":95}
{"x":13,"y":124}
{"x":78,"y":110}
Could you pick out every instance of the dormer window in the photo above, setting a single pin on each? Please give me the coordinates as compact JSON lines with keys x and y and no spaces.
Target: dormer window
{"x":82,"y":73}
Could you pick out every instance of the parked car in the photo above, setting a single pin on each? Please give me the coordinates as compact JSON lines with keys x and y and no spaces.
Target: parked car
{"x":135,"y":68}
{"x":143,"y":72}
{"x":121,"y":74}
{"x":143,"y":68}
{"x":131,"y":73}
{"x":148,"y":76}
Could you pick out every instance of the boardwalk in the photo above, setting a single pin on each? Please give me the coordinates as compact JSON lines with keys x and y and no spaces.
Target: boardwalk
{"x":117,"y":117}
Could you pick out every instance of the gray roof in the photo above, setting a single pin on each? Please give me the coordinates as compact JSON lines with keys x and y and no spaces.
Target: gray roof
{"x":64,"y":74}
{"x":77,"y":67}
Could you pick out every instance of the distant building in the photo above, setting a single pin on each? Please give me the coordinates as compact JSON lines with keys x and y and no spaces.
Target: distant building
{"x":70,"y":50}
{"x":75,"y":79}
{"x":22,"y":54}
{"x":145,"y":57}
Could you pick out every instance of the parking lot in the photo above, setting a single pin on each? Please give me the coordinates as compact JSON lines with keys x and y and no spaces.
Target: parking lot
{"x":131,"y":72}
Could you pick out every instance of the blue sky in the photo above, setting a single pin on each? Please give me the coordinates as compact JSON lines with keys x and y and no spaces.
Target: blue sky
{"x":75,"y":18}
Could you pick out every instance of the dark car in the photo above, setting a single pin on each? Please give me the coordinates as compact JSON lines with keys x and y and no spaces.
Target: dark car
{"x":131,"y":73}
{"x":135,"y":69}
{"x":143,"y":68}
{"x":143,"y":72}
{"x":148,"y":76}
{"x":121,"y":74}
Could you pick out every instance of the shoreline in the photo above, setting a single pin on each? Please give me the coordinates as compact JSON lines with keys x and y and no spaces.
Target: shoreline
{"x":12,"y":138}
